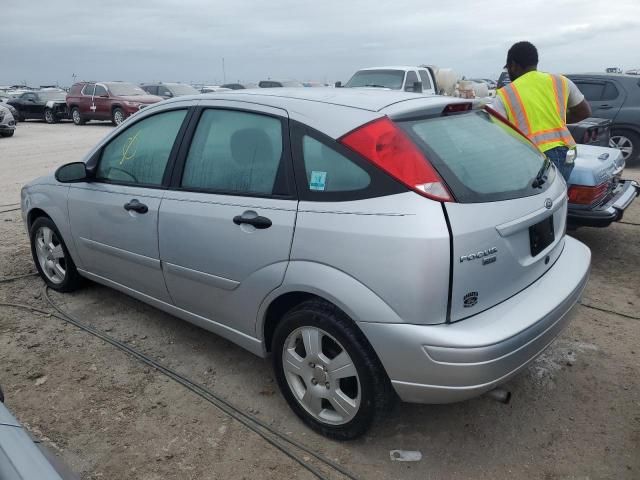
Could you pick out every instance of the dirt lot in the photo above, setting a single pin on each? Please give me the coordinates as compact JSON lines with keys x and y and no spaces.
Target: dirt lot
{"x":575,"y":412}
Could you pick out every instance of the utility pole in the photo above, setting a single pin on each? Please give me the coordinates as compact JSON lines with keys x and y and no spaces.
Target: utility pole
{"x":224,"y":73}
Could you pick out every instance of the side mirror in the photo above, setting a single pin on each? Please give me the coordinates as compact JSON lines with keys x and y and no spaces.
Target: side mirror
{"x":338,"y":84}
{"x":72,"y":173}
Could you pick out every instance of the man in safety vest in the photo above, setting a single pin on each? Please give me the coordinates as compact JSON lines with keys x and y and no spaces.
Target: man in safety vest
{"x":540,"y":105}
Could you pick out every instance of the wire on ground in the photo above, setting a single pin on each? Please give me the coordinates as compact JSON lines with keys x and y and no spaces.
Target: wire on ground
{"x":18,"y":277}
{"x":11,"y":210}
{"x":262,"y":429}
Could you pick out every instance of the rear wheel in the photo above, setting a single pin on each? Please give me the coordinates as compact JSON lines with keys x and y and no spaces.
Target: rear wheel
{"x":49,"y":116}
{"x":118,"y":116}
{"x":77,"y":118}
{"x":51,"y":256}
{"x":7,"y":134}
{"x":628,"y":143}
{"x":328,"y":372}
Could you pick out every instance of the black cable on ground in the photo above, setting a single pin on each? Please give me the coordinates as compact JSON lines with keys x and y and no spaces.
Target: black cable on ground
{"x":625,"y":315}
{"x":11,"y":210}
{"x":629,"y":223}
{"x":249,"y":421}
{"x":17,"y":277}
{"x":9,"y":205}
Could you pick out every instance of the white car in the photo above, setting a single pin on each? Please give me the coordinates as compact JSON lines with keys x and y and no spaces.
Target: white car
{"x":394,"y":78}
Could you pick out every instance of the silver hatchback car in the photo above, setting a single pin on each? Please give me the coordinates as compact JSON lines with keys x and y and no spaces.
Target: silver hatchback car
{"x":377,"y":244}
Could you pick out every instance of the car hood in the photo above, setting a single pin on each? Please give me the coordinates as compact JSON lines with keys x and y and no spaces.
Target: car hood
{"x":141,"y":98}
{"x":594,"y":165}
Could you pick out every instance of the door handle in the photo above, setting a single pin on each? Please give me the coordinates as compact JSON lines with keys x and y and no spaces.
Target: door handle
{"x":251,"y":218}
{"x":136,"y":206}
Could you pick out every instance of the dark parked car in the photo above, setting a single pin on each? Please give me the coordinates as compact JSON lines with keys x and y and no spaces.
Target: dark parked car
{"x":169,"y":90}
{"x":616,"y":97}
{"x":233,"y":86}
{"x":278,"y":84}
{"x":47,"y":105}
{"x":113,"y":101}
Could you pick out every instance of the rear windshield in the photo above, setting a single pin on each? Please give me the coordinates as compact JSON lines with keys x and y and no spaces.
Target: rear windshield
{"x":52,"y":95}
{"x":377,"y":78}
{"x":182,"y":89}
{"x":480,"y":158}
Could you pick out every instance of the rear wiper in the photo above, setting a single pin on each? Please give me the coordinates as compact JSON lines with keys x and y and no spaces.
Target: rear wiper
{"x":541,"y":177}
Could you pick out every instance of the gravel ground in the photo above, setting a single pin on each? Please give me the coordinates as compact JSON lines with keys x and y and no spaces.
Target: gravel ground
{"x":575,"y":412}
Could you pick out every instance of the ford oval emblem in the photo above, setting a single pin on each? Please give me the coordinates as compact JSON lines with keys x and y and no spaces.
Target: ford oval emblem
{"x":548,"y":203}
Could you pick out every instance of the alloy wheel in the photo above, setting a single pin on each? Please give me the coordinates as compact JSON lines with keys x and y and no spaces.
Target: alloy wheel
{"x":76,"y":117}
{"x":321,"y":375}
{"x":48,"y":116}
{"x":623,"y":144}
{"x":50,"y":255}
{"x":118,"y":117}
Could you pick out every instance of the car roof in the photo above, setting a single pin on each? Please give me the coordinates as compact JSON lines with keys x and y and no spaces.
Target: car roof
{"x":602,"y":74}
{"x":333,"y":111}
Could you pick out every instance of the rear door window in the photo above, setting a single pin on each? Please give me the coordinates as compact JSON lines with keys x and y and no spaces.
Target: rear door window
{"x":610,"y":92}
{"x":592,"y":91}
{"x":100,"y":90}
{"x":88,"y":89}
{"x":480,"y":158}
{"x":236,"y":152}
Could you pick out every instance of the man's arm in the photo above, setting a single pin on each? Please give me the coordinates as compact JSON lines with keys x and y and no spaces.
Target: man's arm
{"x":577,"y":107}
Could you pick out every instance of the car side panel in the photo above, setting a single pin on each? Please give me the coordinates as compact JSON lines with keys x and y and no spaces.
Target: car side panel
{"x":397,"y":246}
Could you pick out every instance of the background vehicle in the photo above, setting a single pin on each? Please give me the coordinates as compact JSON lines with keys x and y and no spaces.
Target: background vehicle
{"x":279,"y":84}
{"x":234,"y":86}
{"x":616,"y":97}
{"x":21,"y":458}
{"x":113,"y":101}
{"x":214,"y":89}
{"x":169,"y":90}
{"x":260,"y":221}
{"x":4,"y":98}
{"x":394,"y":78}
{"x":47,"y":105}
{"x":7,"y":122}
{"x":503,"y":79}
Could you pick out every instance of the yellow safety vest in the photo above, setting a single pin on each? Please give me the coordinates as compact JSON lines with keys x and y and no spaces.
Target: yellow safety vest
{"x":536,"y":103}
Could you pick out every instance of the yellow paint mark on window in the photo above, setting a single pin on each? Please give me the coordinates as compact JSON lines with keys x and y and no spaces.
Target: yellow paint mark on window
{"x":130,"y":148}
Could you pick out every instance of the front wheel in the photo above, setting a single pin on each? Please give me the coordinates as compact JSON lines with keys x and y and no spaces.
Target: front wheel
{"x":7,"y":134}
{"x":328,"y":372}
{"x":51,"y":256}
{"x":77,"y":118}
{"x":118,"y":116}
{"x":49,"y":116}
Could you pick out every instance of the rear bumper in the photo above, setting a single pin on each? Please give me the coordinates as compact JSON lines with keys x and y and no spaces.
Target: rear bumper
{"x":612,"y":211}
{"x":452,"y":362}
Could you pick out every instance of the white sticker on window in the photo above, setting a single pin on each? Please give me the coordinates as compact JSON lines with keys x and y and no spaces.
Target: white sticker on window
{"x":318,"y":180}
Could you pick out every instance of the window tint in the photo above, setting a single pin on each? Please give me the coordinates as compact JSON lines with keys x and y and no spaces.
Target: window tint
{"x":424,"y":78}
{"x":329,"y":171}
{"x":88,"y":89}
{"x":100,"y":90}
{"x":411,"y":79}
{"x":151,"y":89}
{"x":162,"y":90}
{"x":235,"y":152}
{"x":610,"y":92}
{"x":139,"y":155}
{"x":480,"y":158}
{"x":591,"y":91}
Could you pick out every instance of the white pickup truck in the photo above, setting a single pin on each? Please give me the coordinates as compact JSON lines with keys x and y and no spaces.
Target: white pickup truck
{"x":409,"y":79}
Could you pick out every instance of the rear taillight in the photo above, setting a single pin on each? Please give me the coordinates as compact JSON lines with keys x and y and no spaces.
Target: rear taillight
{"x":583,"y":195}
{"x":386,"y":146}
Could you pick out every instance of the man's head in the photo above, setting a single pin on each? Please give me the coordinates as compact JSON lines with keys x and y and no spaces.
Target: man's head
{"x":521,"y":58}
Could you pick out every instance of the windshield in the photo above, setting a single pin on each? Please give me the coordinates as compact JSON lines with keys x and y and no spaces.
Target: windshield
{"x":182,"y":89}
{"x":479,"y":157}
{"x":377,"y":78}
{"x":52,"y":95}
{"x":125,"y":89}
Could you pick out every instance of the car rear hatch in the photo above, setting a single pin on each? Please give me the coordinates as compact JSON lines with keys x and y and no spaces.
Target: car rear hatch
{"x":509,"y":208}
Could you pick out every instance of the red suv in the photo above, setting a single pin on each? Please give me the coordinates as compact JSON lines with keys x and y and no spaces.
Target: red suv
{"x":113,"y":101}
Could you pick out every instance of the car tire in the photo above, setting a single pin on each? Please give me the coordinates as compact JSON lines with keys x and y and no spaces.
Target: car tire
{"x":77,"y":117}
{"x":52,"y":259}
{"x":118,"y":116}
{"x":7,"y":134}
{"x":365,"y":394}
{"x":628,"y":141}
{"x":49,"y":116}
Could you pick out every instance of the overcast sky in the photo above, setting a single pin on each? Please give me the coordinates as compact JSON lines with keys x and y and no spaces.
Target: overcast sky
{"x":44,"y":42}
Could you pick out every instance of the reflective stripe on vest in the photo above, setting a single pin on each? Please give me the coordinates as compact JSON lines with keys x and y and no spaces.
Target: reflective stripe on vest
{"x":546,"y":96}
